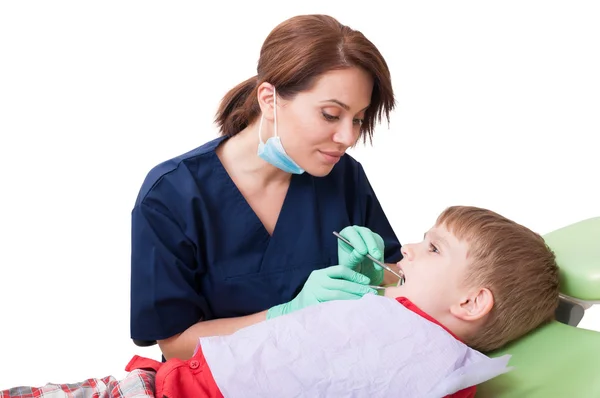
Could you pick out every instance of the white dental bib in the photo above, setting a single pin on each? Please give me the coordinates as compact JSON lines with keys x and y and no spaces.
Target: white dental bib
{"x":372,"y":347}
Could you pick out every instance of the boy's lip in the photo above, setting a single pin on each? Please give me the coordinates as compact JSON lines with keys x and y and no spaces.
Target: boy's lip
{"x":399,"y":266}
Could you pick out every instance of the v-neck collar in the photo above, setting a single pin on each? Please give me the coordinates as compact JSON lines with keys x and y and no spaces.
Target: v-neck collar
{"x":281,"y":218}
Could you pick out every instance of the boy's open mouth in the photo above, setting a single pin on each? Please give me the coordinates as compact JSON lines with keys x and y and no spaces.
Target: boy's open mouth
{"x":403,"y":279}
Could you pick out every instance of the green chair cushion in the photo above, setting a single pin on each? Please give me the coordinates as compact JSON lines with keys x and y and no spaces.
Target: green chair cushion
{"x":577,"y":249}
{"x":555,"y":360}
{"x":558,"y":360}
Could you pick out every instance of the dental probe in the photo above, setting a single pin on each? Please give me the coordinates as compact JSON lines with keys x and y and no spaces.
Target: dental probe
{"x":381,"y":264}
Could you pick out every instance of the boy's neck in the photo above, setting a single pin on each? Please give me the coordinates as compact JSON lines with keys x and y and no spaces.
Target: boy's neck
{"x":411,"y":306}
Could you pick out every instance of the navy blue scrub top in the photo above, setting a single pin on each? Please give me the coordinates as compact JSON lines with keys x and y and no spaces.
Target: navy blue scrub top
{"x":199,"y":251}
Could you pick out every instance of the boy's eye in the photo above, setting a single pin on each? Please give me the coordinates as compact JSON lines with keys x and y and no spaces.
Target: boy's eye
{"x":359,"y":122}
{"x":433,"y":248}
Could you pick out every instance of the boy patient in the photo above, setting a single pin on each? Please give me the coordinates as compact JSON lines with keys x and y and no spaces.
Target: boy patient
{"x":475,"y":282}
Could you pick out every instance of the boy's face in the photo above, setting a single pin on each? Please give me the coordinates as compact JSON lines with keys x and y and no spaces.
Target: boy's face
{"x":434,"y":272}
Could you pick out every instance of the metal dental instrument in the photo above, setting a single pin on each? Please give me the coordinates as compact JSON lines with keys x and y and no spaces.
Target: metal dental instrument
{"x":381,"y":264}
{"x":379,"y":290}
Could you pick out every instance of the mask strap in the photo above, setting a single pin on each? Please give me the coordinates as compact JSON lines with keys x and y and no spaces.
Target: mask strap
{"x":275,"y":110}
{"x":260,"y":128}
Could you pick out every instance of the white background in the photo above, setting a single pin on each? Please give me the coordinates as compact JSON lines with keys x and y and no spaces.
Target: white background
{"x":498,"y":107}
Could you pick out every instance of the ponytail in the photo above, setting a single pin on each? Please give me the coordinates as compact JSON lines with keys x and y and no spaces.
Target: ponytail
{"x":238,"y":108}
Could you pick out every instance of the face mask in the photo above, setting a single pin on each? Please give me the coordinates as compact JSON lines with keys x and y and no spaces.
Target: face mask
{"x":272,"y":151}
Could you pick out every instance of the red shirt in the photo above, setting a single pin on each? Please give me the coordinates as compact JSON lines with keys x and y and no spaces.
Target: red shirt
{"x":193,"y":378}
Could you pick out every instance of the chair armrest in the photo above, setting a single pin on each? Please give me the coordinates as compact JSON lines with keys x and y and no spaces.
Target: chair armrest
{"x":577,"y":249}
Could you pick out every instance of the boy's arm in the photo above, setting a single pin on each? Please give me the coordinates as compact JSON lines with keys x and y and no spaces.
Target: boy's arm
{"x":388,"y":277}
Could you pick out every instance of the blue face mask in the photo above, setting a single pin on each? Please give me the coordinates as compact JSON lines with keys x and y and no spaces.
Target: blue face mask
{"x":272,"y":151}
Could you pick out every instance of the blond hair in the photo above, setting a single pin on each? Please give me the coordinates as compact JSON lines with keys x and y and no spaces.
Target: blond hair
{"x":515,"y":264}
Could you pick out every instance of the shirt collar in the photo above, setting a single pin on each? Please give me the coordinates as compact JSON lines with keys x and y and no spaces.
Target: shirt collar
{"x":411,"y":306}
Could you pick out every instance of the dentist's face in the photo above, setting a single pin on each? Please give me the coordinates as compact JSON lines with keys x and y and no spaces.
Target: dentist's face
{"x":318,"y":126}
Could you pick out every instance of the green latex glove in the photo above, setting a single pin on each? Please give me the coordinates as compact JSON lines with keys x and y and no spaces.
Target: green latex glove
{"x":333,"y":283}
{"x":364,"y":241}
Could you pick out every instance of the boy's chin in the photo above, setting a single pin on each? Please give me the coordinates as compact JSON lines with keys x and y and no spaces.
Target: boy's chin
{"x":395,"y":291}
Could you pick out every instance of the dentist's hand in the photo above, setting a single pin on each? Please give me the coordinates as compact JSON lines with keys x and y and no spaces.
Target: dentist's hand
{"x":333,"y":283}
{"x":364,"y":241}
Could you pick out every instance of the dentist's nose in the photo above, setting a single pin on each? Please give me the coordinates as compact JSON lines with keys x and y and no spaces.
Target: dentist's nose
{"x":346,"y":135}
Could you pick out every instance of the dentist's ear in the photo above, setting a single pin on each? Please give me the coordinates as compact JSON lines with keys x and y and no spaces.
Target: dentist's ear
{"x":476,"y":305}
{"x":266,"y":99}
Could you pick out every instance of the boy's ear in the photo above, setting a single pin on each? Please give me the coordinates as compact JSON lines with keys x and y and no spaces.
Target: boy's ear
{"x":477,"y":304}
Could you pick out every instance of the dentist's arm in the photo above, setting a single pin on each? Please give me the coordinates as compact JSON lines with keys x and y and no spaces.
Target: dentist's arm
{"x":183,"y":345}
{"x":333,"y":283}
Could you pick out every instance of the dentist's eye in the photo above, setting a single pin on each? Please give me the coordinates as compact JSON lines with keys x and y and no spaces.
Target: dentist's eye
{"x":358,"y":122}
{"x":328,"y":117}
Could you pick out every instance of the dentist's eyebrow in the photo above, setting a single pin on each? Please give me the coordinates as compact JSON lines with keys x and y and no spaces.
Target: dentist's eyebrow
{"x":340,"y":103}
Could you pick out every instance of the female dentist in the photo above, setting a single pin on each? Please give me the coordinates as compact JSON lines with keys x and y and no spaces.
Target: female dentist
{"x":239,"y":230}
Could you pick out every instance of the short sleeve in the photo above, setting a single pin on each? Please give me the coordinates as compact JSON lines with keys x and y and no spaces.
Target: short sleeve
{"x":377,"y":221}
{"x":164,"y":270}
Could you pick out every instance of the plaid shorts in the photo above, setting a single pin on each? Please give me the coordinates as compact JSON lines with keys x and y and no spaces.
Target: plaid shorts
{"x":138,"y":383}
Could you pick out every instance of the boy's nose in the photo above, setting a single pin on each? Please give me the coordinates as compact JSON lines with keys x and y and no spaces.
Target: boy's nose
{"x":407,"y":252}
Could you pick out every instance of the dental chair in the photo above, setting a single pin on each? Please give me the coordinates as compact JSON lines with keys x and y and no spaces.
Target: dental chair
{"x":559,"y":359}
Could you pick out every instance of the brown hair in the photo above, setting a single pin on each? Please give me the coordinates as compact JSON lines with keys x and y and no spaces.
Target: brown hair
{"x":515,"y":264}
{"x":294,"y":55}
